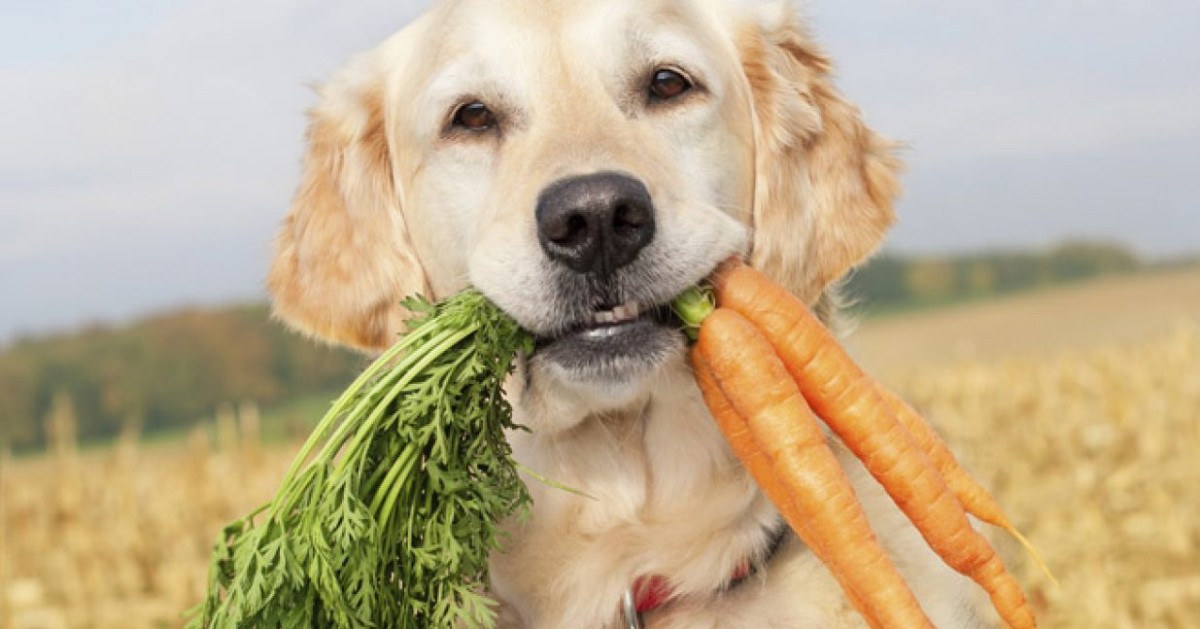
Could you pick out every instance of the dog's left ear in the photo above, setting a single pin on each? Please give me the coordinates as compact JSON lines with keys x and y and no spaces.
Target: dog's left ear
{"x":825,"y":182}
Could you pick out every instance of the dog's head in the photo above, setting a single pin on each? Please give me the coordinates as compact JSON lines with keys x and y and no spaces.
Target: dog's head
{"x":581,"y":163}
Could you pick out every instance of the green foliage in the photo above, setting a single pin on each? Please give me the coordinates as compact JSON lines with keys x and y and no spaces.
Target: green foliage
{"x":893,"y":282}
{"x":166,"y":372}
{"x":391,"y":522}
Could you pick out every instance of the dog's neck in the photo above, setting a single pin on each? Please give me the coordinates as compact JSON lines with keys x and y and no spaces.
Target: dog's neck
{"x":645,"y":471}
{"x":663,"y":495}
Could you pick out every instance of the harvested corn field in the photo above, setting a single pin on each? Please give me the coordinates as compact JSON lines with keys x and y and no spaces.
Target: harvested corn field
{"x":1095,"y":456}
{"x":119,"y":537}
{"x":1094,"y":448}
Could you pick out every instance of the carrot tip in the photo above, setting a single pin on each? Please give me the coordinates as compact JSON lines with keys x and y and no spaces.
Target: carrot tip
{"x":1033,"y":553}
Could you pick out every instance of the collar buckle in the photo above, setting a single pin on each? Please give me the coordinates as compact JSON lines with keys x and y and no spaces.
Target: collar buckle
{"x":633,"y":618}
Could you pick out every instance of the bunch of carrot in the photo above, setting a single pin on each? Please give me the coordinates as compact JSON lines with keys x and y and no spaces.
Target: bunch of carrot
{"x":764,"y":364}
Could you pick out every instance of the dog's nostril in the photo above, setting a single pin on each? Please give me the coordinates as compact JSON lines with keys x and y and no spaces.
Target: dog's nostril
{"x":576,"y":226}
{"x":630,"y":218}
{"x":563,"y":232}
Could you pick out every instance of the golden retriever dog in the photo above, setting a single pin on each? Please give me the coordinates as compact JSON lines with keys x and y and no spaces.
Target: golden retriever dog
{"x":581,"y":162}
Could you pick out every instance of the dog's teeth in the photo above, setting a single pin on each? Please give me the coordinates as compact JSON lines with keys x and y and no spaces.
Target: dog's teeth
{"x":619,"y":314}
{"x":626,"y":312}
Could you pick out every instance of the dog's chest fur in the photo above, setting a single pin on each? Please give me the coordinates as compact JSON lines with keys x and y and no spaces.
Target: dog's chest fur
{"x":665,"y":497}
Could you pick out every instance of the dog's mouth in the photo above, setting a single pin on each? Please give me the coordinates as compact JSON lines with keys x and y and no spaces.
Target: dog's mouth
{"x":609,"y":322}
{"x":616,"y":342}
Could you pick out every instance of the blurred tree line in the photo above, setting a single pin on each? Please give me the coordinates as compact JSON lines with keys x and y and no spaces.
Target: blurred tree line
{"x":894,"y":282}
{"x":171,"y":371}
{"x":165,"y":372}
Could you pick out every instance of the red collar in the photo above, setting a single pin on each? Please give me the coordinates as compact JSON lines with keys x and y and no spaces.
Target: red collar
{"x":653,"y":591}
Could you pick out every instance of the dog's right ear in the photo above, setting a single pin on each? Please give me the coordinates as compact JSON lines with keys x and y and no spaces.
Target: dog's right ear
{"x":344,"y":257}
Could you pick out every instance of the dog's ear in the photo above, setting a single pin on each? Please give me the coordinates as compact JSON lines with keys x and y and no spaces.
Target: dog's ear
{"x":344,"y":258}
{"x":825,"y":182}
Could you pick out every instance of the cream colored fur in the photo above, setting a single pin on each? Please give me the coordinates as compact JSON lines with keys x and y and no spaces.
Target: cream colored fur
{"x":767,"y":160}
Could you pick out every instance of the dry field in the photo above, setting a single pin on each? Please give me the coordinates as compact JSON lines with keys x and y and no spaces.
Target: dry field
{"x":119,"y":537}
{"x":1081,"y":407}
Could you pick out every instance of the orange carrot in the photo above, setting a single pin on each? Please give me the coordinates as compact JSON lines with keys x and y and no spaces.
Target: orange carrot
{"x":849,"y":402}
{"x":741,"y":441}
{"x":819,"y":496}
{"x":973,"y":496}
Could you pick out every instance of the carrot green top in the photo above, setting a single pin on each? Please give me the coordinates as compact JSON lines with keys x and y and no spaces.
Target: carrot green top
{"x":392,"y":506}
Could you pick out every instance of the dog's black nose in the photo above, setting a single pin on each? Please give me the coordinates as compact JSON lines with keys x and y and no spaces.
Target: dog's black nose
{"x":595,"y":223}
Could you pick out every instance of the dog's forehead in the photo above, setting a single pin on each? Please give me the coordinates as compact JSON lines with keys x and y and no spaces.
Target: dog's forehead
{"x":516,"y":34}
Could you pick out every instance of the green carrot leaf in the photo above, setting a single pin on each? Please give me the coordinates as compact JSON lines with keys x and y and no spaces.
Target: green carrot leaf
{"x":392,"y":507}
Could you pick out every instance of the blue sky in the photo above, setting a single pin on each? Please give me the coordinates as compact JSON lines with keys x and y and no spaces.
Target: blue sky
{"x":148,"y":148}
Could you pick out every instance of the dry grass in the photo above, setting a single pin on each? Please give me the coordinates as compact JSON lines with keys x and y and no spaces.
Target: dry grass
{"x":1081,"y":408}
{"x":1095,"y":456}
{"x":120,"y":537}
{"x":1093,"y":447}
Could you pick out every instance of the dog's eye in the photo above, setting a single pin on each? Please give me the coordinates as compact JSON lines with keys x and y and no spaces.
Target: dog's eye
{"x":668,"y":84}
{"x":474,"y":117}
